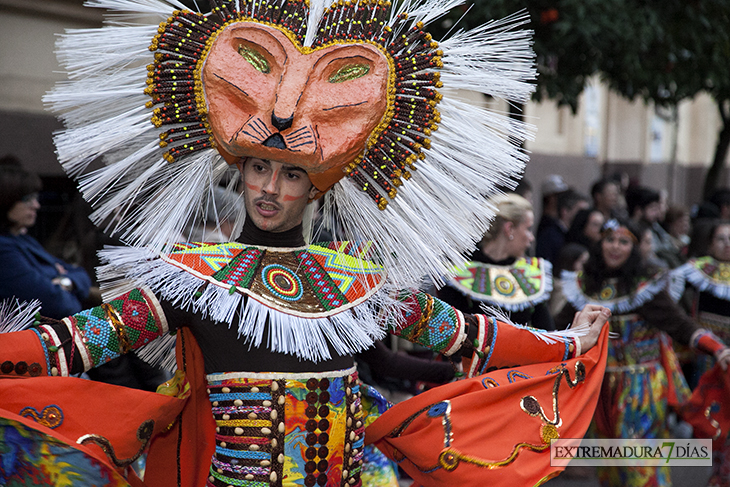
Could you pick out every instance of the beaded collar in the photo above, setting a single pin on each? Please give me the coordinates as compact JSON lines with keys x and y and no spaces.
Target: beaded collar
{"x":514,"y":287}
{"x":314,"y":281}
{"x":704,"y":273}
{"x":308,"y":296}
{"x":646,"y":290}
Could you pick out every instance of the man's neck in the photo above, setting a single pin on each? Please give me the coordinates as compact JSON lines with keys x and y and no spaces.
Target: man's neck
{"x":253,"y":235}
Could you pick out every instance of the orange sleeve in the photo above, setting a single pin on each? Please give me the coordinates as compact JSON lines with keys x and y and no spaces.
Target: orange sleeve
{"x":24,"y":354}
{"x":484,"y":342}
{"x":499,"y":344}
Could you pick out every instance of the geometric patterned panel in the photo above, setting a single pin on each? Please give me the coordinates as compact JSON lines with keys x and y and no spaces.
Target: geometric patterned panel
{"x":306,"y":282}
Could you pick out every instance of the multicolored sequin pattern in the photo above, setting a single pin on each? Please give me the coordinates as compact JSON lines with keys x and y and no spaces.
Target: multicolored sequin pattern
{"x":519,"y":286}
{"x":638,"y":343}
{"x":112,"y":329}
{"x":310,"y":282}
{"x":30,"y":457}
{"x":430,"y":322}
{"x":286,"y":430}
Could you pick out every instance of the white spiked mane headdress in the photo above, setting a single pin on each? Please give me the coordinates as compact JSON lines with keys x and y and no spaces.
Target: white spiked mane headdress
{"x":418,"y":189}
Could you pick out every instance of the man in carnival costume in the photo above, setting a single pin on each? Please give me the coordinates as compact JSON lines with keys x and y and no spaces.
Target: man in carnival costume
{"x":306,"y":99}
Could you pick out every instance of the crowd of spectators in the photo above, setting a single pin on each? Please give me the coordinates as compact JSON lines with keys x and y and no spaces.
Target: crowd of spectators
{"x":570,"y":216}
{"x":577,"y":233}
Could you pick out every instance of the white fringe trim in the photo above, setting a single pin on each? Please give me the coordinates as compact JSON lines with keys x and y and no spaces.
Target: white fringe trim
{"x":17,"y":315}
{"x":621,"y":305}
{"x":700,"y":280}
{"x":548,"y":337}
{"x":351,"y":330}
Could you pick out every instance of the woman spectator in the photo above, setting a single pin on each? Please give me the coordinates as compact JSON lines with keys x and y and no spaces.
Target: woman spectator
{"x":586,"y":228}
{"x":708,"y":298}
{"x":500,"y":276}
{"x":643,"y":378}
{"x":29,"y":271}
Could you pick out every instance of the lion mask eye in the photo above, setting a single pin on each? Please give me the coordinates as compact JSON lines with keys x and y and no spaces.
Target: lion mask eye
{"x":254,"y":58}
{"x":348,"y":72}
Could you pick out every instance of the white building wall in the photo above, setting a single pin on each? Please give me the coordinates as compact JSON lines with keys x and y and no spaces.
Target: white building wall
{"x":28,"y":66}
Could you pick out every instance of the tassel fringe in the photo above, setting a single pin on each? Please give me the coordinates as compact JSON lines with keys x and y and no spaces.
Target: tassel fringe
{"x":350,"y":331}
{"x":17,"y":315}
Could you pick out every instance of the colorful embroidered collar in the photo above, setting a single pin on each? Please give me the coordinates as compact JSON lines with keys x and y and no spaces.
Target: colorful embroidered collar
{"x":315,"y":281}
{"x":515,"y":287}
{"x":704,"y":273}
{"x":306,"y":301}
{"x":647,"y":289}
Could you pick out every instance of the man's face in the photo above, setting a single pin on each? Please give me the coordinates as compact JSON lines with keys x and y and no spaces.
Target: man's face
{"x":568,"y":214}
{"x":608,"y":198}
{"x":275,"y":193}
{"x":652,"y":212}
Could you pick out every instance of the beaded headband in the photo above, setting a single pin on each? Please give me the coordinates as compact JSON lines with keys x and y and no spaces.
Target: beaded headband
{"x":420,"y":194}
{"x":612,"y":226}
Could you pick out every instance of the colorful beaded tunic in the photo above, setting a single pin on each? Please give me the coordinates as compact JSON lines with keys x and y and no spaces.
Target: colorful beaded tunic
{"x":525,"y":283}
{"x":643,"y":375}
{"x":711,"y":279}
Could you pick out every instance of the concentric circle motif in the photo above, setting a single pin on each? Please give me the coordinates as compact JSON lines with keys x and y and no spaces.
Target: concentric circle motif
{"x":504,"y":286}
{"x":448,"y":460}
{"x":608,"y":293}
{"x":282,"y":282}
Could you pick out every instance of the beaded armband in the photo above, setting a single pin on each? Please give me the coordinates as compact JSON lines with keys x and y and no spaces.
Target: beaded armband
{"x":56,"y":355}
{"x":105,"y":332}
{"x":707,"y":342}
{"x":482,"y":346}
{"x":430,"y":322}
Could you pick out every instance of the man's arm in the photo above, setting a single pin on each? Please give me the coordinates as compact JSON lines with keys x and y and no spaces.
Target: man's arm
{"x":85,"y":340}
{"x":486,"y":342}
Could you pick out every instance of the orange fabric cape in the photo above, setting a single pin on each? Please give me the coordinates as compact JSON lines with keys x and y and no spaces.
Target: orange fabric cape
{"x":492,"y":435}
{"x":182,"y":435}
{"x":488,"y":423}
